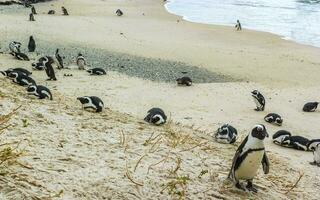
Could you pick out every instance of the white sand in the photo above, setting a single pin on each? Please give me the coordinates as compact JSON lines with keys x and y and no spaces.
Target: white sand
{"x":81,"y":153}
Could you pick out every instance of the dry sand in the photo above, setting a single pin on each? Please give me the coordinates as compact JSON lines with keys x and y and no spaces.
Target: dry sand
{"x":72,"y":154}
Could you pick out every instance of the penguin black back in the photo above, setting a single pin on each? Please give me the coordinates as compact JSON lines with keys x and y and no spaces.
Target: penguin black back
{"x":31,"y":44}
{"x":310,"y":106}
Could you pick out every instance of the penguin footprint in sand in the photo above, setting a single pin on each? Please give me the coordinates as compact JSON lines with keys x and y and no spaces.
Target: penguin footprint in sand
{"x":91,"y":102}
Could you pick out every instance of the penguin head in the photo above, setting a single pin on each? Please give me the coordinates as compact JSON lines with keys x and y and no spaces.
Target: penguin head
{"x":259,"y":131}
{"x":255,"y":93}
{"x":83,"y":100}
{"x":31,"y":37}
{"x":223,"y":130}
{"x":157,"y":119}
{"x":80,"y":54}
{"x":312,"y":145}
{"x":285,"y":141}
{"x":90,"y":71}
{"x":279,"y":121}
{"x":13,"y":75}
{"x":32,"y":89}
{"x":279,"y":136}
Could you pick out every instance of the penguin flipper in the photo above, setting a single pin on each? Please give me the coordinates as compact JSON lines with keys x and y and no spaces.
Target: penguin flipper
{"x":265,"y":163}
{"x":237,"y":159}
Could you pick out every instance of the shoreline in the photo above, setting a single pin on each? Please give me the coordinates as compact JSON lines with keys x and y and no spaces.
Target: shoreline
{"x":282,"y":37}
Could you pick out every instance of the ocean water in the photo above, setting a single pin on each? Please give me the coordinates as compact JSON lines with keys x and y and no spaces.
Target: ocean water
{"x":297,"y":20}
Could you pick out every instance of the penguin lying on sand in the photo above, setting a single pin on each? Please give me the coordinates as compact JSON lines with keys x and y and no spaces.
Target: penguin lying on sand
{"x":156,"y":116}
{"x":226,"y":134}
{"x":97,"y":71}
{"x":316,"y":156}
{"x":184,"y":81}
{"x":21,"y":79}
{"x":285,"y":139}
{"x":21,"y":70}
{"x":51,"y":12}
{"x":259,"y":100}
{"x":279,"y":136}
{"x":119,"y":12}
{"x":20,"y":56}
{"x":274,"y":118}
{"x":91,"y":102}
{"x":14,"y":47}
{"x":310,"y":107}
{"x":39,"y":91}
{"x":248,"y":158}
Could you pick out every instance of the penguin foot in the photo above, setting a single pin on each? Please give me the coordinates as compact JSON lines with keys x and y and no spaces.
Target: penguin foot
{"x":251,"y":188}
{"x":240,"y":187}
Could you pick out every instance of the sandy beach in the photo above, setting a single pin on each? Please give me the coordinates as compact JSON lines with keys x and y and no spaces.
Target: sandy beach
{"x":68,"y":153}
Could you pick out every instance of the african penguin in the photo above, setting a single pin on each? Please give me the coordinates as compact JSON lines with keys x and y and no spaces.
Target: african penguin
{"x":119,"y":12}
{"x":81,"y":62}
{"x":91,"y":102}
{"x":296,"y":142}
{"x":226,"y":134}
{"x":31,"y":44}
{"x":47,"y":61}
{"x":21,"y":70}
{"x":64,"y":11}
{"x":316,"y":156}
{"x":31,"y":17}
{"x":238,"y":26}
{"x":21,"y":79}
{"x":33,"y":10}
{"x":280,"y":136}
{"x":20,"y":56}
{"x":249,"y":156}
{"x":310,"y":107}
{"x":15,"y":46}
{"x":312,"y":144}
{"x":273,"y":118}
{"x":97,"y":71}
{"x":51,"y":12}
{"x":59,"y":60}
{"x":38,"y":66}
{"x":184,"y":81}
{"x":39,"y":91}
{"x":259,"y":100}
{"x":156,"y":116}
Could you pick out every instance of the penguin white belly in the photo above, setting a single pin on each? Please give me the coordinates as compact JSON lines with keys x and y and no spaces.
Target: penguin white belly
{"x":316,"y":155}
{"x":249,"y":166}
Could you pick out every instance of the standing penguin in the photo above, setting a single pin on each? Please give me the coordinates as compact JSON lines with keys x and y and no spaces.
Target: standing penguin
{"x":33,"y":10}
{"x":259,"y":100}
{"x":64,"y":11}
{"x":47,"y":61}
{"x":316,"y":156}
{"x":91,"y":102}
{"x":59,"y":60}
{"x":14,"y":47}
{"x":238,"y":26}
{"x":81,"y":62}
{"x":249,"y":156}
{"x":31,"y":44}
{"x":310,"y":106}
{"x":31,"y":17}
